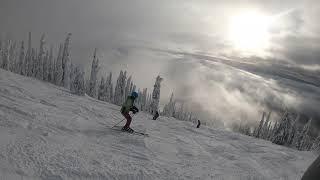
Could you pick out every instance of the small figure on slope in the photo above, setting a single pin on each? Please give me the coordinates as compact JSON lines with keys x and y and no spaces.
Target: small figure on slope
{"x":198,"y":124}
{"x":126,"y":108}
{"x":156,"y":115}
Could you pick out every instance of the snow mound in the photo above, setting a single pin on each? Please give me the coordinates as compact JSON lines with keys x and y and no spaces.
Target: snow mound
{"x":48,"y":133}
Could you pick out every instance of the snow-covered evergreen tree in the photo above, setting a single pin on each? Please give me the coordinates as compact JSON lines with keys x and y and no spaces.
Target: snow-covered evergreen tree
{"x":40,"y":60}
{"x":116,"y":89}
{"x":108,"y":88}
{"x":181,"y":111}
{"x":293,"y":135}
{"x":34,"y":61}
{"x":127,"y":88}
{"x":120,"y":88}
{"x":6,"y":55}
{"x":72,"y":77}
{"x":169,"y":108}
{"x":92,"y":87}
{"x":28,"y":60}
{"x":273,"y":130}
{"x":134,"y":88}
{"x":51,"y":66}
{"x":144,"y":99}
{"x":316,"y":144}
{"x":21,"y":65}
{"x":303,"y":141}
{"x":13,"y":57}
{"x":67,"y":72}
{"x":78,"y":84}
{"x":102,"y":90}
{"x":258,"y":131}
{"x":66,"y":60}
{"x":265,"y":130}
{"x":45,"y":66}
{"x":59,"y":71}
{"x":1,"y":52}
{"x":282,"y":132}
{"x":111,"y":93}
{"x":156,"y":95}
{"x":123,"y":87}
{"x":130,"y":89}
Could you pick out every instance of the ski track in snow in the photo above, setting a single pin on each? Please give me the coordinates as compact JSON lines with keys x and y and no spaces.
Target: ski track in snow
{"x":49,"y":134}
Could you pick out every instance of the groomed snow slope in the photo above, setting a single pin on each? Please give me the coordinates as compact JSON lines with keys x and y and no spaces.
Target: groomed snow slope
{"x":48,"y":133}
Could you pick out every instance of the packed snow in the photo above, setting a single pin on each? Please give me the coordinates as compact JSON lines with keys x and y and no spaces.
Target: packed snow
{"x":48,"y":133}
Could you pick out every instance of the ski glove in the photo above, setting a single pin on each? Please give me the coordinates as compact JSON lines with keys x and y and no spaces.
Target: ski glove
{"x":134,"y":109}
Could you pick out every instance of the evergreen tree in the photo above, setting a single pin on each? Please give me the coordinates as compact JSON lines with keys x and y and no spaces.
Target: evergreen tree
{"x":134,"y":88}
{"x":131,"y":86}
{"x":265,"y":130}
{"x":269,"y":131}
{"x":293,"y":135}
{"x":40,"y":60}
{"x":109,"y":88}
{"x":1,"y":52}
{"x":72,"y":77}
{"x":259,"y":130}
{"x":78,"y":84}
{"x":59,"y":71}
{"x":67,"y":72}
{"x":51,"y":66}
{"x":127,"y":88}
{"x":282,"y":132}
{"x":117,"y":89}
{"x":5,"y":55}
{"x":66,"y":60}
{"x":123,"y":87}
{"x":102,"y":89}
{"x":13,"y":57}
{"x":156,"y":95}
{"x":111,"y":93}
{"x":29,"y":64}
{"x":45,"y":66}
{"x":303,"y":141}
{"x":92,"y":89}
{"x":181,"y":111}
{"x":169,"y":108}
{"x":21,"y":65}
{"x":120,"y":88}
{"x":316,"y":144}
{"x":34,"y":62}
{"x":144,"y":99}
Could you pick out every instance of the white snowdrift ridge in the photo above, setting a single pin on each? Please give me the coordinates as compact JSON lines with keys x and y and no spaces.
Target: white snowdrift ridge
{"x":48,"y":133}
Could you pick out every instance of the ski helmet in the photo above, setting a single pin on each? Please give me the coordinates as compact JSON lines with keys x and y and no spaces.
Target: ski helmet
{"x":134,"y":94}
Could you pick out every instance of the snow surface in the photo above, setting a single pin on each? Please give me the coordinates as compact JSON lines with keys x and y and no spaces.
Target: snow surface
{"x":48,"y":133}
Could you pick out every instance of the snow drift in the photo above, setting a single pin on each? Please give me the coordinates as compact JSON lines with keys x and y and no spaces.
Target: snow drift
{"x":48,"y":133}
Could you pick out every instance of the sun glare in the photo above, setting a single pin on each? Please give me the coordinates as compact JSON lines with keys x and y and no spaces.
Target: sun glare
{"x":249,"y":32}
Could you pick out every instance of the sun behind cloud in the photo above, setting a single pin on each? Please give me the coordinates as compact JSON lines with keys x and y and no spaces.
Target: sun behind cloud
{"x":248,"y":32}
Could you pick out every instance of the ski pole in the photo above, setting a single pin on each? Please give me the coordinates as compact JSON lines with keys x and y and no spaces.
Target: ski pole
{"x":120,"y":122}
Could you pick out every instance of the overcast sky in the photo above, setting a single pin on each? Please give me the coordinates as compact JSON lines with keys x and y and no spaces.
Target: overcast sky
{"x":188,"y":43}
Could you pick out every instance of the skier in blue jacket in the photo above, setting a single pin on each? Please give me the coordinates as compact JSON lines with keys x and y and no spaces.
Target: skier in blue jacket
{"x":128,"y":106}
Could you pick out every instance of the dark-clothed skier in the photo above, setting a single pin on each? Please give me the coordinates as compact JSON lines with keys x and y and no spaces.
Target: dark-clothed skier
{"x":198,"y":124}
{"x":126,"y":108}
{"x":156,"y":115}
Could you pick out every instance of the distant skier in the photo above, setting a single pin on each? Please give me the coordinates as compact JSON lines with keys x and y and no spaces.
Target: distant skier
{"x":156,"y":115}
{"x":198,"y":123}
{"x":126,"y":108}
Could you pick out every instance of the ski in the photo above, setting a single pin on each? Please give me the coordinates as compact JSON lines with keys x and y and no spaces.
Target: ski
{"x":134,"y":132}
{"x":140,"y":133}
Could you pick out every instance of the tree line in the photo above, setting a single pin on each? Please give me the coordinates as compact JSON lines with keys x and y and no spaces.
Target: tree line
{"x":286,"y":131}
{"x":41,"y":63}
